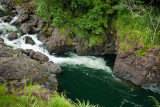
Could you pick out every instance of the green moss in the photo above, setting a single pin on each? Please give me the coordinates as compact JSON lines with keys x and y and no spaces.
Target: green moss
{"x":155,"y":67}
{"x":96,"y":40}
{"x":19,"y":2}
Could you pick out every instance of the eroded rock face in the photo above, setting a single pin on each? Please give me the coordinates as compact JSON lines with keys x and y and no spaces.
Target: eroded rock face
{"x":16,"y":67}
{"x":12,"y":36}
{"x":60,"y":43}
{"x":137,"y":69}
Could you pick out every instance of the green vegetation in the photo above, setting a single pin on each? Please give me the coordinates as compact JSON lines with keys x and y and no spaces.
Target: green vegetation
{"x":140,"y":52}
{"x":19,"y":2}
{"x":135,"y":20}
{"x":86,"y":18}
{"x":155,"y":100}
{"x":138,"y":22}
{"x":31,"y":96}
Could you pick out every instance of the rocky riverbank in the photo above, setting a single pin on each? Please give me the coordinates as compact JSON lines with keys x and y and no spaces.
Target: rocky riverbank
{"x":129,"y":65}
{"x":18,"y":66}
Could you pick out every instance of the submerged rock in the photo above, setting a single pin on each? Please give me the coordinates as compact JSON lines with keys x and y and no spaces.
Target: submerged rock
{"x":12,"y":36}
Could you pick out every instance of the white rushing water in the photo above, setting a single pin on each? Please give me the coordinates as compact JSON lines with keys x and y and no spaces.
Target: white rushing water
{"x":88,"y":61}
{"x":2,"y":9}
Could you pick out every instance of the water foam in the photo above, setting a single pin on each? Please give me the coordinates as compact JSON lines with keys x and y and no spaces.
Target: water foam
{"x":2,"y":9}
{"x":5,"y":27}
{"x":14,"y":19}
{"x":88,"y":61}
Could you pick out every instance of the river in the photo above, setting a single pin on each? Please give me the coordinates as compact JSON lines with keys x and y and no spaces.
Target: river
{"x":86,"y":78}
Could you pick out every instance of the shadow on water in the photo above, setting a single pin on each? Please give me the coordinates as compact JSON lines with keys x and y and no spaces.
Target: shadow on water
{"x":100,"y":87}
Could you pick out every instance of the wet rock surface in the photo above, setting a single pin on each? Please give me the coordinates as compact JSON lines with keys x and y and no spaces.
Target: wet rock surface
{"x":29,"y":40}
{"x":12,"y":36}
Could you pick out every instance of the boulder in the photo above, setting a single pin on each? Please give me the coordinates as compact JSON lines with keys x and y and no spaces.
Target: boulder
{"x":28,"y":51}
{"x":22,"y":18}
{"x":25,"y":28}
{"x":41,"y":57}
{"x":43,"y":38}
{"x":29,"y":40}
{"x":6,"y":18}
{"x":54,"y":69}
{"x":32,"y":54}
{"x":12,"y":36}
{"x":20,"y":10}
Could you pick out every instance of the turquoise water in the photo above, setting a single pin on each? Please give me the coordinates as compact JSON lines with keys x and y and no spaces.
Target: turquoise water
{"x":100,"y":87}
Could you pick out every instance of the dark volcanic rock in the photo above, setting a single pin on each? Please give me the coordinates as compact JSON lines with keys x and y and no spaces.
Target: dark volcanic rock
{"x":41,"y":57}
{"x":20,"y":10}
{"x":27,"y":51}
{"x":22,"y":18}
{"x":12,"y":36}
{"x":9,"y":4}
{"x":6,"y":18}
{"x":16,"y":68}
{"x":54,"y":69}
{"x":32,"y":54}
{"x":139,"y":70}
{"x":60,"y":43}
{"x":43,"y":38}
{"x":52,"y":84}
{"x":25,"y":28}
{"x":29,"y":40}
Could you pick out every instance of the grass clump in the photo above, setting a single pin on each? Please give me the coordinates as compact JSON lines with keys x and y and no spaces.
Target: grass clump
{"x":30,"y":96}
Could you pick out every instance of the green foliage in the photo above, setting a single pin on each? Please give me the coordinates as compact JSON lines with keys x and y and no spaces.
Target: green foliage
{"x":96,"y":40}
{"x":140,"y":52}
{"x":155,"y":101}
{"x":19,"y":2}
{"x":85,"y":17}
{"x":133,"y":22}
{"x":29,"y":100}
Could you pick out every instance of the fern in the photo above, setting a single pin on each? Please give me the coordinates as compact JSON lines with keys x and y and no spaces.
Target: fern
{"x":155,"y":101}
